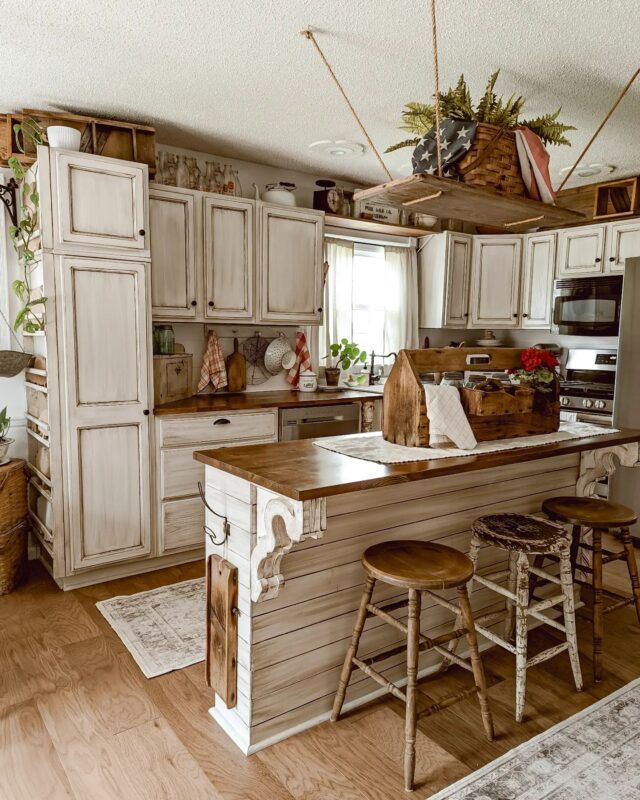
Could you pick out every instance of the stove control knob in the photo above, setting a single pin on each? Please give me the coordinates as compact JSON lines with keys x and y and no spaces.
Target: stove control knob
{"x":600,"y":404}
{"x":564,"y":401}
{"x":587,"y":403}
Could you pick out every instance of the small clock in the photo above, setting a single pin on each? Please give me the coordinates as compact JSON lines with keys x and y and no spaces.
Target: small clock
{"x":327,"y":197}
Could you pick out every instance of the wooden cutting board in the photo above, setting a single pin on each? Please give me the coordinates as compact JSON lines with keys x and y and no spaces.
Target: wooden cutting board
{"x":236,"y":370}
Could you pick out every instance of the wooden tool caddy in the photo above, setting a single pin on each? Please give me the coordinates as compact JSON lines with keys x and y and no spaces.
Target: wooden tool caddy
{"x":493,"y":413}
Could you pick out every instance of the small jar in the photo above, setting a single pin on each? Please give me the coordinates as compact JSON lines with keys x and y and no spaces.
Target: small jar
{"x":308,"y":381}
{"x":164,"y":340}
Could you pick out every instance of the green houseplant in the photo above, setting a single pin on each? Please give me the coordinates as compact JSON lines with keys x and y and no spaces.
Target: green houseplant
{"x":343,"y":354}
{"x":456,"y":103}
{"x":5,"y":442}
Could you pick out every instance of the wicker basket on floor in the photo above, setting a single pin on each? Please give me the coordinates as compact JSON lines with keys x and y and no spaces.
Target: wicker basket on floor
{"x":13,"y":524}
{"x":492,"y":161}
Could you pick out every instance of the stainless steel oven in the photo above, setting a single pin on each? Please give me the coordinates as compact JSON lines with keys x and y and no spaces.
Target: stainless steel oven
{"x":587,"y":306}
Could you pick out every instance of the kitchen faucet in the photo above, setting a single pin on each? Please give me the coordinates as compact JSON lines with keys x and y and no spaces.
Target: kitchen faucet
{"x":373,"y":379}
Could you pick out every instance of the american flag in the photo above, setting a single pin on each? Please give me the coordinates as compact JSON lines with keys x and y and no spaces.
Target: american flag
{"x":456,"y":138}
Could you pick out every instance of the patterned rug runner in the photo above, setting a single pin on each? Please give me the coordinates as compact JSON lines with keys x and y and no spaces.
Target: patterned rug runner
{"x":594,"y":755}
{"x":163,"y":629}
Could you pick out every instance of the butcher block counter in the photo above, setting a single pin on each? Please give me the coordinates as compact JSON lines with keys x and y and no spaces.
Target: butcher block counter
{"x":295,"y":518}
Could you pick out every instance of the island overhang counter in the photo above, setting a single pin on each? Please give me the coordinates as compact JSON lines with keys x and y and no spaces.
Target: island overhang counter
{"x":294,"y":519}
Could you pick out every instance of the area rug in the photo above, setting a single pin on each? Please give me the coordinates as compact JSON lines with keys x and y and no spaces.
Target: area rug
{"x":372,"y":447}
{"x":163,"y":629}
{"x":594,"y":755}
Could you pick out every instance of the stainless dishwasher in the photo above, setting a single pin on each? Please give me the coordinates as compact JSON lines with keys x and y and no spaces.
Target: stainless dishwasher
{"x":315,"y":421}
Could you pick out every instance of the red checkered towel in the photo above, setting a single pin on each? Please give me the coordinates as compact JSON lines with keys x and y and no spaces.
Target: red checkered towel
{"x":303,"y":359}
{"x":213,"y":369}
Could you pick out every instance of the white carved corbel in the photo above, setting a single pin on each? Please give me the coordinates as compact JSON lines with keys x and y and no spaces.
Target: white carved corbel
{"x":281,"y":522}
{"x":596,"y":464}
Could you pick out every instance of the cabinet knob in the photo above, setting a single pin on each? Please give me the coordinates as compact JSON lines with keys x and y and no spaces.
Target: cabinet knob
{"x":146,"y":412}
{"x":319,"y":309}
{"x":211,"y":304}
{"x":194,"y":302}
{"x":515,"y":316}
{"x":141,"y":232}
{"x":612,"y":258}
{"x":466,"y":314}
{"x":598,"y":260}
{"x":524,"y":315}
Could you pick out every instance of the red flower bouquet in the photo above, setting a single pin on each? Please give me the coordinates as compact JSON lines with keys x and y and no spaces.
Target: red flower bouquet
{"x":538,"y":368}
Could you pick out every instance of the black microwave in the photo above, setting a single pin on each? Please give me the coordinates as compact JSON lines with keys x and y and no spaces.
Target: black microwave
{"x":587,"y":306}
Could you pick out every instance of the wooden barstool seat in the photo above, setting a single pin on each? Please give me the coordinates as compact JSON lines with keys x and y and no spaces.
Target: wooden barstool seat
{"x":522,"y":536}
{"x":590,"y":517}
{"x":418,"y":567}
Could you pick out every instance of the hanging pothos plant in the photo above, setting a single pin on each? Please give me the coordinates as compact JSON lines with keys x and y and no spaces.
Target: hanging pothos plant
{"x":419,"y":118}
{"x":23,"y":234}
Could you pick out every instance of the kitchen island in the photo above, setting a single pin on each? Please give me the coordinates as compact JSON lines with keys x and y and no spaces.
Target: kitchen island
{"x":299,"y":517}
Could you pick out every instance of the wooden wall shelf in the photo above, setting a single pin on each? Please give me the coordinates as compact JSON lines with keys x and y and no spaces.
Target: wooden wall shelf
{"x":374,"y":226}
{"x":446,"y":198}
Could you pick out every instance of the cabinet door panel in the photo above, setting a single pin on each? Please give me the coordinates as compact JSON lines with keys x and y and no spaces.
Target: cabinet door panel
{"x":495,"y":282}
{"x":103,"y":317}
{"x":228,"y":258}
{"x":291,"y":265}
{"x":537,"y":280}
{"x":623,"y":242}
{"x":580,"y":251}
{"x":173,"y":260}
{"x":99,"y":202}
{"x":458,"y":267}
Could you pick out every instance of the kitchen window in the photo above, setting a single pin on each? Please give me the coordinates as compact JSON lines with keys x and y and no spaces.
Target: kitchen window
{"x":370,"y":296}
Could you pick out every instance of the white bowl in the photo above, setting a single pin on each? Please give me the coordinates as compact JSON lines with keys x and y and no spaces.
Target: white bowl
{"x":63,"y":137}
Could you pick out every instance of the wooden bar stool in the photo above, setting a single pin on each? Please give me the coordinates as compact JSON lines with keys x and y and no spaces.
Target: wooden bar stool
{"x":418,"y":567}
{"x":522,"y":536}
{"x":601,"y":516}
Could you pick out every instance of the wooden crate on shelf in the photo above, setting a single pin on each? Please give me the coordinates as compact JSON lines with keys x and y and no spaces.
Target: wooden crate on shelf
{"x":500,"y":417}
{"x":105,"y":137}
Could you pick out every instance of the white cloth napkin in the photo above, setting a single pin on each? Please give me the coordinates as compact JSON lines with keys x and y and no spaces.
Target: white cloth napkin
{"x":447,"y":420}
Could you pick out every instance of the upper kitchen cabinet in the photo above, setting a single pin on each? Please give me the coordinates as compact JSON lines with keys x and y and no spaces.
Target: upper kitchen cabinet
{"x":228,"y":258}
{"x":537,"y":280}
{"x":623,"y":241}
{"x":172,"y":217}
{"x":291,"y":265}
{"x":495,"y":281}
{"x":99,"y":205}
{"x":580,"y":251}
{"x":444,"y":264}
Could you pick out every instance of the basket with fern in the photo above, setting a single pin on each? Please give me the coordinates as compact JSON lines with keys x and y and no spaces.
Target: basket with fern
{"x":491,"y":160}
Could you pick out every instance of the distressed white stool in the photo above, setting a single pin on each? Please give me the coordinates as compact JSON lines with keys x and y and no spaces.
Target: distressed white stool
{"x":522,"y":536}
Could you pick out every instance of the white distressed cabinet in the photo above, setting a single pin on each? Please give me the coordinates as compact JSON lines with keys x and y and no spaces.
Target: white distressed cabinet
{"x":538,"y":268}
{"x":623,"y":241}
{"x":580,"y":251}
{"x":495,"y":282}
{"x":100,"y":206}
{"x":444,"y":267}
{"x":228,"y":257}
{"x":172,"y":221}
{"x":291,"y":265}
{"x":103,"y":322}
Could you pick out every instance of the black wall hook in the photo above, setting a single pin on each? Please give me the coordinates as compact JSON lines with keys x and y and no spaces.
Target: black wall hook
{"x":8,"y":195}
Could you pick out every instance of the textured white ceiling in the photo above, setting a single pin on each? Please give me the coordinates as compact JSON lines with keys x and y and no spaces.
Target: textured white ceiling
{"x":237,"y":79}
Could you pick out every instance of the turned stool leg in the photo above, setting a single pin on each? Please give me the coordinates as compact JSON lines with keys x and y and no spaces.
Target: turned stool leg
{"x":410,"y":723}
{"x":510,"y":619}
{"x":476,"y":662}
{"x":576,"y":535}
{"x":568,"y":604}
{"x":452,"y":647}
{"x":633,"y":567}
{"x":347,"y":667}
{"x":522,"y":603}
{"x":597,"y":605}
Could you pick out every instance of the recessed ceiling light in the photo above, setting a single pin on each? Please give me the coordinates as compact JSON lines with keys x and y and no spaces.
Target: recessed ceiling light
{"x":589,"y":170}
{"x":338,"y":148}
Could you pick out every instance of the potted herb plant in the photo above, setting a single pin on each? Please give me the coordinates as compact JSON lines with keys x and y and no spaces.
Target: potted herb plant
{"x":5,"y":442}
{"x":344,"y":354}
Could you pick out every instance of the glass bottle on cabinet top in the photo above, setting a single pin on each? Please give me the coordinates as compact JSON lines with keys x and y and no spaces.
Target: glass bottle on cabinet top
{"x":164,"y":340}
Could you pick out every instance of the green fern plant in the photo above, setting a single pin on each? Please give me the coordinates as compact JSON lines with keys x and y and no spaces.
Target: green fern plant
{"x":456,"y":103}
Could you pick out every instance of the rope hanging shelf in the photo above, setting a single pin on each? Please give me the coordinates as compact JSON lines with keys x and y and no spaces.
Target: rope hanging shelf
{"x":449,"y":199}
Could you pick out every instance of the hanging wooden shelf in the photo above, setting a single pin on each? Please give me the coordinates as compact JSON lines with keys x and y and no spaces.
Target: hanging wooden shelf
{"x":449,"y":199}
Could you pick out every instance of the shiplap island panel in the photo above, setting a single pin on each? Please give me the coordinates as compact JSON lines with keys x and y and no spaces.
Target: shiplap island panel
{"x":299,"y":518}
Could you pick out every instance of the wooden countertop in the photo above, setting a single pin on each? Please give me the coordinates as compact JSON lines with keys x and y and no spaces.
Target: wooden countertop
{"x":249,"y":401}
{"x":302,"y":471}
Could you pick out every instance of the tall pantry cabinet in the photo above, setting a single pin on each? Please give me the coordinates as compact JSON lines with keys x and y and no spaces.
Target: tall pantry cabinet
{"x":96,"y":267}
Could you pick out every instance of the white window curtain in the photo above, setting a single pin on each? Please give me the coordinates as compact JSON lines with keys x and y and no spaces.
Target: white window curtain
{"x":371,"y":296}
